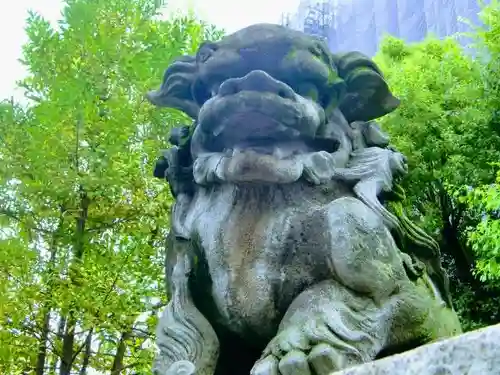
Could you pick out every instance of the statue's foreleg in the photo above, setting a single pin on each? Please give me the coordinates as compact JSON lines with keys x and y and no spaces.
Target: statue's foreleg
{"x":186,"y":341}
{"x":327,"y":328}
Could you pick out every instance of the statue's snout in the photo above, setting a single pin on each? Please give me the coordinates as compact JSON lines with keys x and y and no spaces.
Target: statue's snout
{"x":259,"y":81}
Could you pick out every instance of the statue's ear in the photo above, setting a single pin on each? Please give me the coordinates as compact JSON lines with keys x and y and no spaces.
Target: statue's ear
{"x":176,"y":88}
{"x":368,"y":96}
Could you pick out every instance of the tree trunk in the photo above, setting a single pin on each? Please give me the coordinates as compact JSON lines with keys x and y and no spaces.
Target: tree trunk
{"x":451,"y":218}
{"x":60,"y":332}
{"x":42,"y":347}
{"x":87,"y":353}
{"x":44,"y":337}
{"x":69,"y":335}
{"x":67,"y":349}
{"x":117,"y":367}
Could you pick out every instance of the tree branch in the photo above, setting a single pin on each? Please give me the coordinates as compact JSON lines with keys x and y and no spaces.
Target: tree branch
{"x":15,"y":216}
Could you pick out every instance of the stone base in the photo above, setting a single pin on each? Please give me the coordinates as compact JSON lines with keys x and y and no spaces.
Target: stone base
{"x":473,"y":353}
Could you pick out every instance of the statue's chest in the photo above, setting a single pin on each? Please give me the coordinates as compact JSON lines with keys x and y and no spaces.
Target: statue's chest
{"x":254,"y":256}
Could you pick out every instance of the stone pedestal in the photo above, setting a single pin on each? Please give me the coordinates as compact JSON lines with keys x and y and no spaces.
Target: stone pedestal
{"x":473,"y":353}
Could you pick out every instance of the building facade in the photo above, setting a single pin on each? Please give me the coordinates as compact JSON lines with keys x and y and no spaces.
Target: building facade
{"x":360,"y":25}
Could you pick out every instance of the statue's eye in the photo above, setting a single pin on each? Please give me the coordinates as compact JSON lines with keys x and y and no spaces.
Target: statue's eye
{"x":320,"y":51}
{"x":308,"y":90}
{"x":205,"y":52}
{"x":203,"y":56}
{"x":316,"y":51}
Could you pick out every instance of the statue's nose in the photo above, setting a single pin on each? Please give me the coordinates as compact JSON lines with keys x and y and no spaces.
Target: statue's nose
{"x":259,"y":81}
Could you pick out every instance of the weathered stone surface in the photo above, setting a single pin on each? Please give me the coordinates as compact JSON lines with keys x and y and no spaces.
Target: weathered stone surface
{"x":289,"y":251}
{"x":474,"y":353}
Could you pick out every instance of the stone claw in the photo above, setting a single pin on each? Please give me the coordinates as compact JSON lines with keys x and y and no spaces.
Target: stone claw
{"x":266,"y":366}
{"x":303,"y":350}
{"x":294,"y":363}
{"x":291,"y":339}
{"x":324,"y":359}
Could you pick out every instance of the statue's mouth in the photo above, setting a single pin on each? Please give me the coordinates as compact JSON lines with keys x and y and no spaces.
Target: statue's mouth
{"x":253,"y":128}
{"x":257,"y":121}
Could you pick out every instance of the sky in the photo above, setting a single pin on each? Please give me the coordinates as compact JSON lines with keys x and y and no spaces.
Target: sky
{"x":230,"y":15}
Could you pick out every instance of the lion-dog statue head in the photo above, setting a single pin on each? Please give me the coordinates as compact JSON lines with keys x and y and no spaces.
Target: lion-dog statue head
{"x":289,"y":252}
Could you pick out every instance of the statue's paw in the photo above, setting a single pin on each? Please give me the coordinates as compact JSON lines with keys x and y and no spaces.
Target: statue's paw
{"x":294,"y":338}
{"x":321,"y":360}
{"x":306,"y":350}
{"x":324,"y":359}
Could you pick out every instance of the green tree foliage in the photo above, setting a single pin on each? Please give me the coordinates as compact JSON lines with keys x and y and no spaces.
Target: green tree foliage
{"x":82,"y":220}
{"x":445,"y":127}
{"x":484,"y":238}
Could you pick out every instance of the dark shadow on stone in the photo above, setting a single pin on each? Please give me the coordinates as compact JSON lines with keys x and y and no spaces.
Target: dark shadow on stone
{"x":389,"y":351}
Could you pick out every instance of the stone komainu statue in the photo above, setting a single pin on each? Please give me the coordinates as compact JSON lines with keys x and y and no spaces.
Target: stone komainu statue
{"x":288,"y":251}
